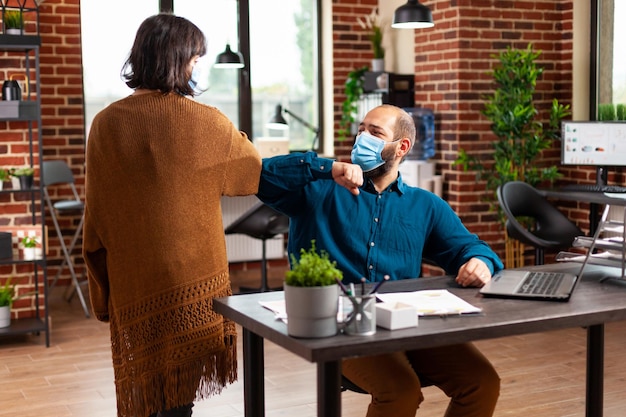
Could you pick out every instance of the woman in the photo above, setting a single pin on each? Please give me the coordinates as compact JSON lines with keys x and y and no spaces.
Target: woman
{"x":157,"y":164}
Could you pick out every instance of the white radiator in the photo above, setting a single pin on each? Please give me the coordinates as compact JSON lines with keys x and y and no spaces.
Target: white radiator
{"x":241,"y":247}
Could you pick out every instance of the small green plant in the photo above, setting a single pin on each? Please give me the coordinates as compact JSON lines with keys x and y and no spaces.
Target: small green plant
{"x":7,"y":293}
{"x":374,"y":24}
{"x":313,"y":269}
{"x":21,"y":172}
{"x":13,"y":19}
{"x":29,"y":242}
{"x":4,"y":175}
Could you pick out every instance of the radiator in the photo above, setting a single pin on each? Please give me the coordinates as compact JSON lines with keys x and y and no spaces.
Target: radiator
{"x":241,"y":247}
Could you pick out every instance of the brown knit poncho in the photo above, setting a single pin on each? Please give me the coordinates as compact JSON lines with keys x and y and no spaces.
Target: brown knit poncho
{"x":156,"y":168}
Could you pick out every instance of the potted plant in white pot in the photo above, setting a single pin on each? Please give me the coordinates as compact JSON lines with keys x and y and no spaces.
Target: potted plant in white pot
{"x":13,"y":22}
{"x":30,"y":248}
{"x":7,"y":293}
{"x":312,"y":294}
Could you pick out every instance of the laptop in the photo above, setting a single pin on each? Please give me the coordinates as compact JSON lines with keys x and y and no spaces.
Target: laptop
{"x":536,"y":285}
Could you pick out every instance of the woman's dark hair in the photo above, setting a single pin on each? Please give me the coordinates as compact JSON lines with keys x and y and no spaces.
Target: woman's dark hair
{"x":159,"y":59}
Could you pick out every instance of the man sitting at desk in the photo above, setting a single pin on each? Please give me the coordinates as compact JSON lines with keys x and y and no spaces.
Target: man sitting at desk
{"x":374,"y":225}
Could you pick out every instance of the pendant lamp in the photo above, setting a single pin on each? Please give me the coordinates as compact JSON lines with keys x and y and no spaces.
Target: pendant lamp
{"x":412,"y":15}
{"x":229,"y":59}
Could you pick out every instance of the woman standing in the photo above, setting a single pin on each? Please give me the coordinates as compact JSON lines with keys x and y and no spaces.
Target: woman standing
{"x":158,"y":163}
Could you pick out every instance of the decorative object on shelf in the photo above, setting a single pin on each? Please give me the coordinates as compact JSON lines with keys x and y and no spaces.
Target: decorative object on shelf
{"x":354,"y":91}
{"x":312,"y":294}
{"x":520,"y":136}
{"x":412,"y":15}
{"x":11,"y":90}
{"x":17,"y":16}
{"x":376,"y":26}
{"x":229,"y":59}
{"x":13,"y":22}
{"x":24,"y":177}
{"x":7,"y":294}
{"x":278,"y":122}
{"x":30,"y":248}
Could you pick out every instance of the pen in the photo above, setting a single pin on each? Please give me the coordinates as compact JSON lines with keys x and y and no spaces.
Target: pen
{"x":343,"y":287}
{"x":352,"y":292}
{"x":377,"y":286}
{"x":363,"y":286}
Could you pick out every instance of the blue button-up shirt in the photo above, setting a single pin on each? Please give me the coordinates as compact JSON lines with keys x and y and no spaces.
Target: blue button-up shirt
{"x":371,"y":234}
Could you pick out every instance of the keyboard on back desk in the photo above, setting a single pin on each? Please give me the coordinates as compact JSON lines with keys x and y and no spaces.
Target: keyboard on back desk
{"x":594,"y":188}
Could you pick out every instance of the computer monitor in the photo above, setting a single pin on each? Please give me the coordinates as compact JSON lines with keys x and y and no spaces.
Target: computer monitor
{"x":600,"y":144}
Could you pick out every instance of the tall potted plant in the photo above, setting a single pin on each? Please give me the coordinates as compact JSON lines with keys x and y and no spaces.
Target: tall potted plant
{"x":375,"y":25}
{"x":312,"y":294}
{"x":520,"y":134}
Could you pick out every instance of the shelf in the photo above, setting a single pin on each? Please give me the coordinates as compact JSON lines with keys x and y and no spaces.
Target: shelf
{"x":19,"y":110}
{"x":19,"y":42}
{"x":24,"y":326}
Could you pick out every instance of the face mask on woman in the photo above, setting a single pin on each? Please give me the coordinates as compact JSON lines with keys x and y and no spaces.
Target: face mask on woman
{"x":367,"y":151}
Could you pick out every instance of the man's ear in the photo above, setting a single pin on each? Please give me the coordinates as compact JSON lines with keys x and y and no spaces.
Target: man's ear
{"x":405,"y":147}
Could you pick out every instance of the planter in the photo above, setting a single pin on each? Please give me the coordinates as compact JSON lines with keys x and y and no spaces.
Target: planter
{"x":13,"y":31}
{"x":5,"y":316}
{"x":378,"y":65}
{"x":26,"y":182}
{"x":311,"y":311}
{"x":30,"y":254}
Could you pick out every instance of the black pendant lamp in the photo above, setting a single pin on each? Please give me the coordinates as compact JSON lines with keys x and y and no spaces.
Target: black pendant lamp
{"x":412,"y":15}
{"x":229,"y":59}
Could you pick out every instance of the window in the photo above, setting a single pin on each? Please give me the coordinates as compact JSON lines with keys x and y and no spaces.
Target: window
{"x":282,"y":69}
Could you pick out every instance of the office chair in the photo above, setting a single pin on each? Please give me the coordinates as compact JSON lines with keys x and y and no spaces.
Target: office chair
{"x":551,"y":230}
{"x":260,"y":222}
{"x":55,"y":173}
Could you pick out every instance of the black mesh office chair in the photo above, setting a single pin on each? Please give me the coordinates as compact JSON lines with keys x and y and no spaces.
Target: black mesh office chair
{"x":260,"y":222}
{"x":57,"y":173}
{"x":551,"y":230}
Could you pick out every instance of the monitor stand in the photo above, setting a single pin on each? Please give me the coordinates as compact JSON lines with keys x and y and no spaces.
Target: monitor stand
{"x":594,"y":214}
{"x":602,"y":174}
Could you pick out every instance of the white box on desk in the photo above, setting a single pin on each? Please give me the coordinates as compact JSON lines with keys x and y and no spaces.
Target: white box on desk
{"x":394,"y":316}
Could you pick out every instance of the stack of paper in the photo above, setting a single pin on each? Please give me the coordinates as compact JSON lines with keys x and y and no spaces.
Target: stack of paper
{"x":431,"y":302}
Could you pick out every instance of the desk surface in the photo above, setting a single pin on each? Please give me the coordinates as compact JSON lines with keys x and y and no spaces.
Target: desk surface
{"x":582,"y":196}
{"x":593,"y":302}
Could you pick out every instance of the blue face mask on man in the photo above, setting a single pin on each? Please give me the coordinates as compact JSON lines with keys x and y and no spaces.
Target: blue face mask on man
{"x":367,"y":151}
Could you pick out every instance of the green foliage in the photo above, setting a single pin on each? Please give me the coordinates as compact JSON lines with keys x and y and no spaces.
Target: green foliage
{"x":610,"y":112}
{"x":520,"y":136}
{"x":29,"y":242}
{"x":354,"y":91}
{"x":312,"y":269}
{"x":376,"y":37}
{"x":13,"y":19}
{"x":21,"y":172}
{"x":7,"y":292}
{"x":4,"y":175}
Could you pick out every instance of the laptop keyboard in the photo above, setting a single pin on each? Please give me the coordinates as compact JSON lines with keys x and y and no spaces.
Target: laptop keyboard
{"x":541,"y":283}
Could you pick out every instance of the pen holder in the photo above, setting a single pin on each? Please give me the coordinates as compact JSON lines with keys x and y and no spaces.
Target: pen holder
{"x":359,"y":314}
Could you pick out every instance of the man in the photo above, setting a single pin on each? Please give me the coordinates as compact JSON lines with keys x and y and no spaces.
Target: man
{"x":374,"y":225}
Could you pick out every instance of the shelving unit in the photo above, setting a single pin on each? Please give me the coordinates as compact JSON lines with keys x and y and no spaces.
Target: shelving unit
{"x":607,"y":246}
{"x":25,"y":50}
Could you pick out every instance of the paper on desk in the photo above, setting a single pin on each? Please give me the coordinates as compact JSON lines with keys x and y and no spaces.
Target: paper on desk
{"x":431,"y":302}
{"x":277,"y":307}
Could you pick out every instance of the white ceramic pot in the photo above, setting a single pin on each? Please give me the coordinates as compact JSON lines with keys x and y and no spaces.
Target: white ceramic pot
{"x":13,"y":31}
{"x":311,"y":311}
{"x":5,"y":316}
{"x":30,"y":253}
{"x":378,"y":65}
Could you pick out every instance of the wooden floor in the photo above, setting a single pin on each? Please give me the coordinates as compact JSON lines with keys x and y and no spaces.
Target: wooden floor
{"x":74,"y":377}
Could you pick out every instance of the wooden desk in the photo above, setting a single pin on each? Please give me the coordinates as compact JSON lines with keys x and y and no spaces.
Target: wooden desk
{"x":593,"y":304}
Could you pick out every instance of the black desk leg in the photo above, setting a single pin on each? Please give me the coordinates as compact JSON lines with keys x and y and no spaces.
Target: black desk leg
{"x":595,"y":370}
{"x":329,"y":389}
{"x":253,"y":375}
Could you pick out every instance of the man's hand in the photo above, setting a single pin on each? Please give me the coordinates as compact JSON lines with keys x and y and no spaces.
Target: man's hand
{"x":349,"y":176}
{"x":473,"y":273}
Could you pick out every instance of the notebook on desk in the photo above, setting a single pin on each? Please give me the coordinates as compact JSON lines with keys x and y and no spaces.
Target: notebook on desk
{"x":537,"y":285}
